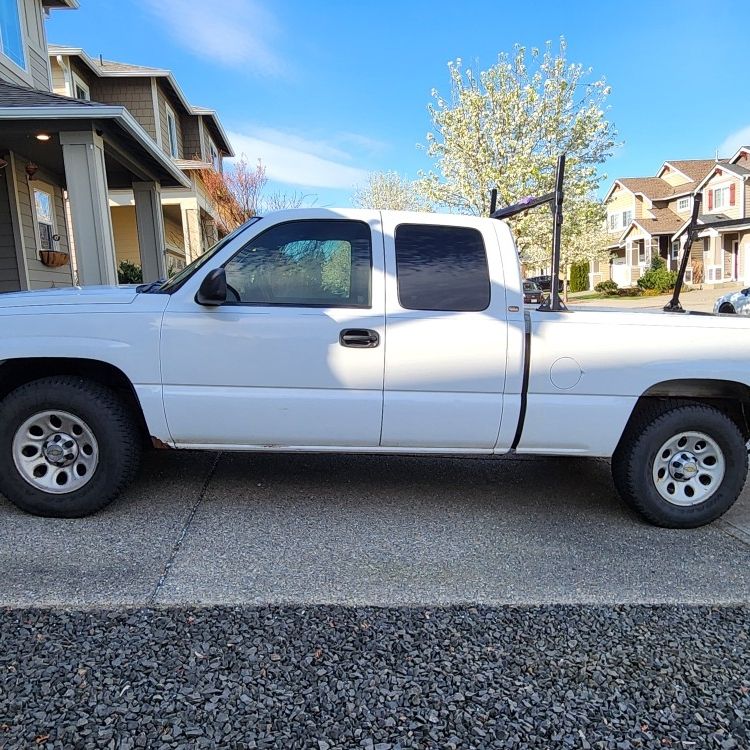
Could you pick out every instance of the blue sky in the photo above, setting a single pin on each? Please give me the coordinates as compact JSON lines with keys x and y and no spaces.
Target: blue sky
{"x":325,"y":92}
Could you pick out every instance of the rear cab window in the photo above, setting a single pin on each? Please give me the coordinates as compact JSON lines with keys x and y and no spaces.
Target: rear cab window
{"x":441,"y":268}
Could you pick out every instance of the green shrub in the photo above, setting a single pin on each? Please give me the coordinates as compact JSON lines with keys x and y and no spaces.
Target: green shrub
{"x":608,"y":287}
{"x":579,"y":277}
{"x":129,"y":273}
{"x":657,"y":278}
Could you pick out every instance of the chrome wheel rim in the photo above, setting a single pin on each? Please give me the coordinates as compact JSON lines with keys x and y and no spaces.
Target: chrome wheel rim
{"x":55,"y":451}
{"x":689,"y":468}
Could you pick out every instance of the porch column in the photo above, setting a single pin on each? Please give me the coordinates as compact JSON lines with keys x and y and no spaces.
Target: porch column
{"x":150,"y":223}
{"x":86,"y":180}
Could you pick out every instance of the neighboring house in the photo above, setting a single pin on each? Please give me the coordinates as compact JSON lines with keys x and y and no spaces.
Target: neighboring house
{"x":722,"y":247}
{"x":644,"y":215}
{"x":192,"y":137}
{"x":56,"y":151}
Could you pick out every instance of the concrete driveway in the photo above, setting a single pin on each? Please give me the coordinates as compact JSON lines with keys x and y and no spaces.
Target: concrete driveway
{"x":204,"y":528}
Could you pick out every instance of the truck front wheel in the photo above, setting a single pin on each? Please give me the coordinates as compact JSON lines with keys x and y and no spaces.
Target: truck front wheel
{"x":681,"y":466}
{"x":68,"y":446}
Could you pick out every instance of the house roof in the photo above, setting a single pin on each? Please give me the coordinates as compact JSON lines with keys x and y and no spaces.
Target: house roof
{"x":113,"y":69}
{"x":665,"y":221}
{"x":693,"y":169}
{"x":20,"y":104}
{"x":72,"y":4}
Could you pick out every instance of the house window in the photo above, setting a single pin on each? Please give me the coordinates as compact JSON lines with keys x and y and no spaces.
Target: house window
{"x":675,"y":250}
{"x":683,"y":204}
{"x":613,"y":218}
{"x":642,"y":251}
{"x":80,"y":89}
{"x":627,"y":217}
{"x":172,"y":131}
{"x":11,"y":34}
{"x":721,"y":197}
{"x":44,"y":219}
{"x":214,"y":155}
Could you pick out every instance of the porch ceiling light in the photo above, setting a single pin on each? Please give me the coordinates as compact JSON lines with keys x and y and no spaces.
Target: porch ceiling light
{"x":43,"y":136}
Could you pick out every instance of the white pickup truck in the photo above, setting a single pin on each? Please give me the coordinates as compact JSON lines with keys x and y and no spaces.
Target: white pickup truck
{"x":365,"y":331}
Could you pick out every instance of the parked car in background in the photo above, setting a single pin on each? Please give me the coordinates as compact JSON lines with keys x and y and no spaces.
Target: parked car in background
{"x":734,"y":303}
{"x":532,"y":293}
{"x":545,"y":283}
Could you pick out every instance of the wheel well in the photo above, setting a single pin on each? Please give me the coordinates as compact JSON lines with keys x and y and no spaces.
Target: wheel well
{"x":726,"y":307}
{"x":18,"y":372}
{"x":728,"y":396}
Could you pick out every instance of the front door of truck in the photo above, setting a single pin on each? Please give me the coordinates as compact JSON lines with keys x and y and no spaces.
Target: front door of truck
{"x":447,"y":331}
{"x":295,"y":357}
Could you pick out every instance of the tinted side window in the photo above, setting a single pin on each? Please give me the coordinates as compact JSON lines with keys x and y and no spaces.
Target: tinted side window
{"x":305,"y":263}
{"x":441,"y":268}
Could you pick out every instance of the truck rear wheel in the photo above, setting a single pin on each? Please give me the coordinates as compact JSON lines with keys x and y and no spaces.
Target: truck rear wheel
{"x":681,"y":466}
{"x":68,"y":447}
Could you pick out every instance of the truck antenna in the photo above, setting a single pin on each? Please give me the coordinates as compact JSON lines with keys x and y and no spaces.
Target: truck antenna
{"x":553,"y":303}
{"x":692,"y":229}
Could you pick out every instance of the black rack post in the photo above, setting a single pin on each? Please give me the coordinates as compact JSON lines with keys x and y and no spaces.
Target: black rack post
{"x":493,"y":201}
{"x":674,"y":304}
{"x":553,"y":303}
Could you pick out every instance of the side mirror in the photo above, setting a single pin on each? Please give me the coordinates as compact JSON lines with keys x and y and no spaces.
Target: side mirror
{"x":213,"y":289}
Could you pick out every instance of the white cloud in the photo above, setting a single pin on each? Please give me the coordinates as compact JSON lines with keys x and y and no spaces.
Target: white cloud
{"x":733,"y":141}
{"x":297,"y":161}
{"x":233,"y":33}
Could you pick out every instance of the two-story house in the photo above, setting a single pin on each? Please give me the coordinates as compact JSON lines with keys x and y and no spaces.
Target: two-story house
{"x":643,"y":216}
{"x":722,"y":248}
{"x":192,"y":137}
{"x":56,"y":152}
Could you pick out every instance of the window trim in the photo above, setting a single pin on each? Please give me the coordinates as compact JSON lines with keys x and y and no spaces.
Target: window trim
{"x":313,"y":305}
{"x":24,"y":36}
{"x":78,"y":82}
{"x":720,"y":189}
{"x":174,"y":146}
{"x":442,"y":226}
{"x":686,"y":201}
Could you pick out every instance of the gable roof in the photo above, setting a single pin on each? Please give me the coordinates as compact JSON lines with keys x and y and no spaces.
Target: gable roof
{"x":694,"y":169}
{"x":723,"y":166}
{"x":112,"y":69}
{"x":665,"y":221}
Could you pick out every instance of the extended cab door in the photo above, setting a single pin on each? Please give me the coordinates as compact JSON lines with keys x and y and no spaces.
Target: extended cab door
{"x":447,"y":333}
{"x":295,"y":357}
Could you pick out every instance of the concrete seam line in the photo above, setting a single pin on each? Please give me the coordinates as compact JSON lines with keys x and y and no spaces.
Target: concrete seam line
{"x":735,"y":532}
{"x":183,"y":533}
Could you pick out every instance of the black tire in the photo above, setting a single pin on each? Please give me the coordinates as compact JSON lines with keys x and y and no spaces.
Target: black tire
{"x":728,"y":309}
{"x":634,"y":461}
{"x":109,"y":419}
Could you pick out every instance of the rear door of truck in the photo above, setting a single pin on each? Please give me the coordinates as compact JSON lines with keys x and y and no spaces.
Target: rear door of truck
{"x":446,"y":333}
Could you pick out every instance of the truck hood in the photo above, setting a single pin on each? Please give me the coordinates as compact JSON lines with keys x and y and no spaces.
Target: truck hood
{"x":90,"y":295}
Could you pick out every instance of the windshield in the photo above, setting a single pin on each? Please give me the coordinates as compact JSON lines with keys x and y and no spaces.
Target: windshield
{"x":170,"y":285}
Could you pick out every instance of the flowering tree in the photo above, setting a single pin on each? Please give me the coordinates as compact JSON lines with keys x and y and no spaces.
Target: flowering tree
{"x":504,"y":129}
{"x":388,"y":190}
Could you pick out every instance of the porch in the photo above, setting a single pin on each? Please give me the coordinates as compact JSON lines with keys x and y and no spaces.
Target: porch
{"x":59,"y":159}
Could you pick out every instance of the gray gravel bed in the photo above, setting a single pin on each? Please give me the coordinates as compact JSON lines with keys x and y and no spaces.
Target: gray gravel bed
{"x":332,"y":677}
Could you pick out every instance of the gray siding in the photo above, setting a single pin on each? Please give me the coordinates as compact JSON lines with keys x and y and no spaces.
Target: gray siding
{"x":32,"y":28}
{"x":9,"y":279}
{"x":132,"y":93}
{"x":191,"y":137}
{"x":40,"y":276}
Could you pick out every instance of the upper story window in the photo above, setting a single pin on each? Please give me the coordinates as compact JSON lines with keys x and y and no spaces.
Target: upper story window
{"x":80,"y":89}
{"x":627,"y":217}
{"x":316,"y":263}
{"x":172,"y":133}
{"x":11,"y":33}
{"x":214,"y":152}
{"x":620,"y":220}
{"x":441,"y":268}
{"x":683,"y":204}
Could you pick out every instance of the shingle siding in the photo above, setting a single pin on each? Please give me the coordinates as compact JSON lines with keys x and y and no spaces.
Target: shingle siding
{"x":191,"y":137}
{"x":132,"y":93}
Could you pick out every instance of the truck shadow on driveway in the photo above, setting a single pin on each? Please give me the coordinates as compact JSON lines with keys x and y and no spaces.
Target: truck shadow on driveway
{"x":311,"y":529}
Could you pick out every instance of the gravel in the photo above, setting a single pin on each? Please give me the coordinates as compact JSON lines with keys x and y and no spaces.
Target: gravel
{"x":327,"y":678}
